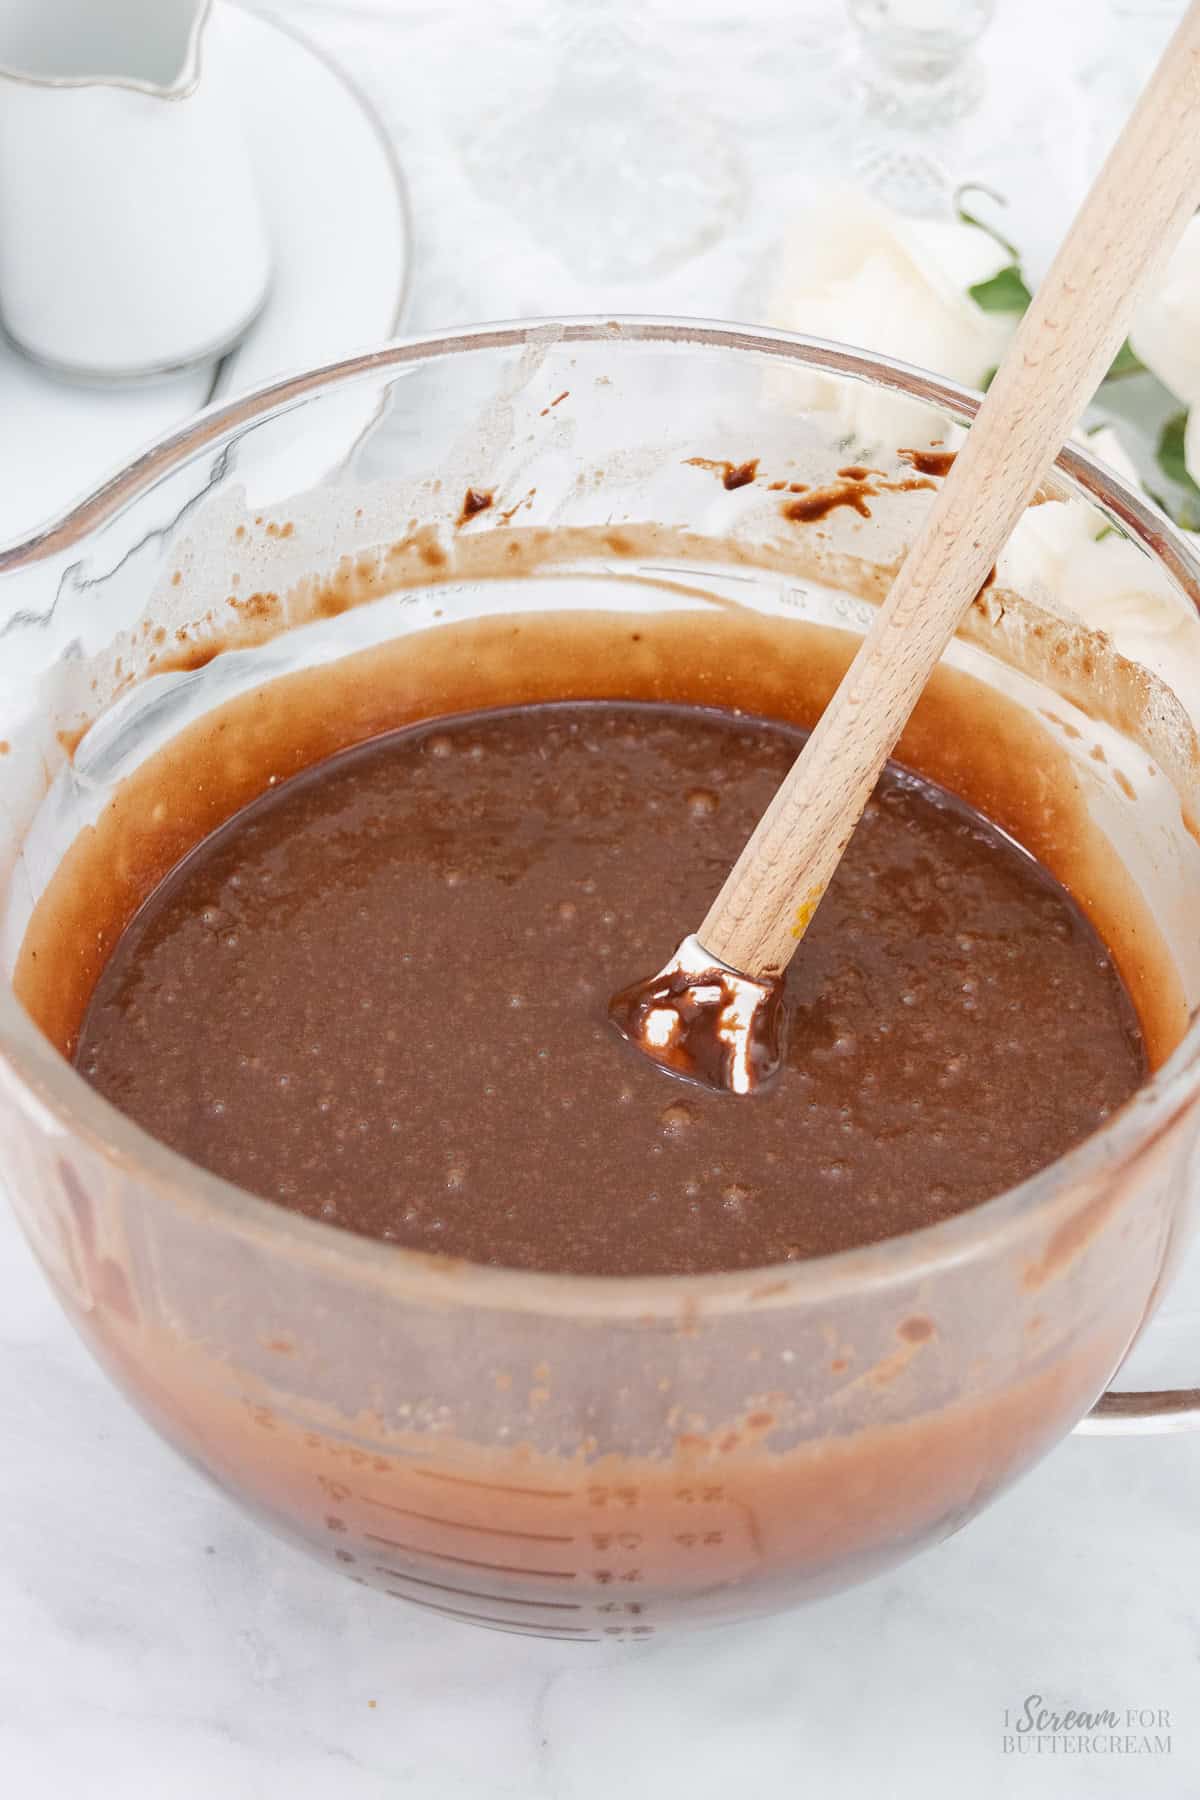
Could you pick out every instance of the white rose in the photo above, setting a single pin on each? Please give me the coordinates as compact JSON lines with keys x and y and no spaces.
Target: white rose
{"x":1166,"y":336}
{"x":853,"y":271}
{"x":1061,"y":558}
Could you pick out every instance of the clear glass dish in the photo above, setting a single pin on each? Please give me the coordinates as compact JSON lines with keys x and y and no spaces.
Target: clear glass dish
{"x":574,"y":1456}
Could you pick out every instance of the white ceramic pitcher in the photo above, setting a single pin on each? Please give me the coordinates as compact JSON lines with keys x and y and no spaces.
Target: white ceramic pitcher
{"x":131,"y":239}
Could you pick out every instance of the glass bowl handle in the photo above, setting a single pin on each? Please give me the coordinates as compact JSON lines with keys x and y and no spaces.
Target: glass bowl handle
{"x":1147,"y":1410}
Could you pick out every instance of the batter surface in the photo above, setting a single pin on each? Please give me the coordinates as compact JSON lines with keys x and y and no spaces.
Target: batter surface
{"x":378,"y":995}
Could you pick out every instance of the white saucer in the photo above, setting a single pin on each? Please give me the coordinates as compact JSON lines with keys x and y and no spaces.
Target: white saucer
{"x":336,"y":204}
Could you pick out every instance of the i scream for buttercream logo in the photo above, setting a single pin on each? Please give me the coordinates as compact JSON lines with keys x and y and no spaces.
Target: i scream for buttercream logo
{"x":1036,"y":1728}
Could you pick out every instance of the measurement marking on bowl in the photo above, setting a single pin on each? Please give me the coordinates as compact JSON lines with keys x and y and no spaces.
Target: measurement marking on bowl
{"x":538,"y":1629}
{"x":446,"y":1587}
{"x":532,"y":1630}
{"x":496,"y":1487}
{"x":408,"y":1512}
{"x":470,"y":1562}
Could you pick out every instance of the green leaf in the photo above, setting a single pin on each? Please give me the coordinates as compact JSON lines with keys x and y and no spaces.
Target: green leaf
{"x":1125,"y":362}
{"x":1004,"y":293}
{"x":970,"y":218}
{"x":1171,"y":450}
{"x":1183,"y":505}
{"x":989,"y":376}
{"x":1008,"y":292}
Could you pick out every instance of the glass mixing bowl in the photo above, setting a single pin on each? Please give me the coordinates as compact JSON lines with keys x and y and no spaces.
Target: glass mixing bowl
{"x":573,"y":1456}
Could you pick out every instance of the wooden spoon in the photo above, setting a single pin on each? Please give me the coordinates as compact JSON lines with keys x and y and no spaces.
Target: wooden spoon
{"x":713,"y":1013}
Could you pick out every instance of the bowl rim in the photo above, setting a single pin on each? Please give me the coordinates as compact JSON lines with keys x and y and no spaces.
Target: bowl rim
{"x":38,"y":1078}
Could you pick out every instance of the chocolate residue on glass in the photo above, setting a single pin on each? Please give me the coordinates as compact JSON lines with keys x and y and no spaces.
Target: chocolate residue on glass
{"x":475,"y":500}
{"x":733,"y":475}
{"x":824,"y":500}
{"x":930,"y":462}
{"x":856,"y":484}
{"x":510,"y":512}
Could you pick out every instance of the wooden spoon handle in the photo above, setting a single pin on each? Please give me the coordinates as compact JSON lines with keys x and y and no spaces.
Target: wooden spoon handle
{"x":1129,"y":222}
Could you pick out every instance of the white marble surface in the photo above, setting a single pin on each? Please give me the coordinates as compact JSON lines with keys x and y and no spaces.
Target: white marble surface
{"x":155,"y":1643}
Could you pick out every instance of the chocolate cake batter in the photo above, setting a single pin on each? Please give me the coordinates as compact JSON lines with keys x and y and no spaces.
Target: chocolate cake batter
{"x":378,"y":995}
